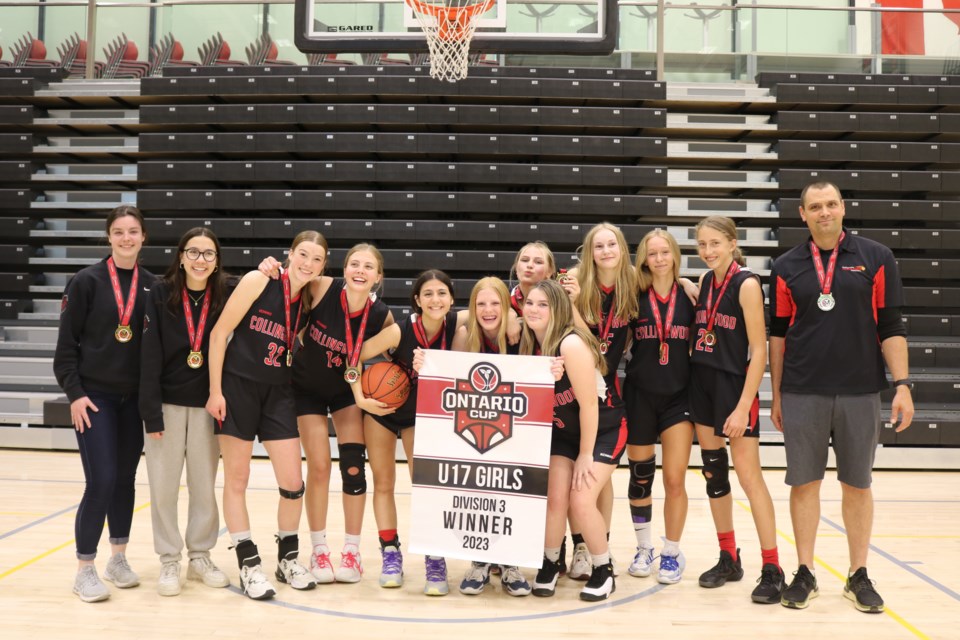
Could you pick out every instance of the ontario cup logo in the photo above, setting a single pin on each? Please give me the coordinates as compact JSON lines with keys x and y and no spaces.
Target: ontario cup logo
{"x":484,"y":407}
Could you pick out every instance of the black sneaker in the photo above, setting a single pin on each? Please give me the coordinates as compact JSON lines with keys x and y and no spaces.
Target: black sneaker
{"x":545,"y":584}
{"x":600,"y":585}
{"x":769,"y":586}
{"x":802,"y":589}
{"x":859,"y":589}
{"x":726,"y":570}
{"x":563,"y":556}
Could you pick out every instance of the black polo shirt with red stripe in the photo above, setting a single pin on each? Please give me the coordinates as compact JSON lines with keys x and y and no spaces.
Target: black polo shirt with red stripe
{"x":834,"y":352}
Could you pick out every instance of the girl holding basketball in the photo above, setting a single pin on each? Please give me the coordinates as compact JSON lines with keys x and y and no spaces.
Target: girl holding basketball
{"x":728,"y":360}
{"x":251,"y":397}
{"x":344,"y":314}
{"x":180,"y":310}
{"x":603,"y":291}
{"x":432,"y":326}
{"x":655,"y":393}
{"x":97,"y":364}
{"x":587,"y":439}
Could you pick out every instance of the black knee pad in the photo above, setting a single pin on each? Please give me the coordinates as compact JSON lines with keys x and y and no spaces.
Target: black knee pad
{"x":292,"y":495}
{"x":351,"y":459}
{"x":717,"y":465}
{"x":641,"y":478}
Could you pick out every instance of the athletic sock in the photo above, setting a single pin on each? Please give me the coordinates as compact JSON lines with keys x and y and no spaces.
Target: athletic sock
{"x":552,"y":553}
{"x":350,"y":540}
{"x":601,"y":559}
{"x":670,"y":548}
{"x":388,"y":537}
{"x":239,"y":536}
{"x":728,"y":543}
{"x":577,"y":538}
{"x":641,"y":517}
{"x":770,"y":556}
{"x":318,"y":538}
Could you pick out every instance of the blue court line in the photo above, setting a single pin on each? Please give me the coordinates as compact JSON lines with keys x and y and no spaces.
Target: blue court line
{"x":608,"y":604}
{"x":900,"y":563}
{"x":39,"y":521}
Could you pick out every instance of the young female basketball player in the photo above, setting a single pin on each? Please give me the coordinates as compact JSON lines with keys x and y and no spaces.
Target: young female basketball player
{"x":587,"y":440}
{"x":728,"y":359}
{"x":534,"y":262}
{"x":655,"y":394}
{"x":251,"y":396}
{"x":97,"y":364}
{"x":180,"y":310}
{"x":486,"y":332}
{"x":432,"y":326}
{"x":602,"y":288}
{"x":345,"y":313}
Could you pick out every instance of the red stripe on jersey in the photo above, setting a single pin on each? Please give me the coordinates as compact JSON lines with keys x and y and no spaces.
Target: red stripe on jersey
{"x":879,"y":290}
{"x":786,"y":307}
{"x":621,"y":438}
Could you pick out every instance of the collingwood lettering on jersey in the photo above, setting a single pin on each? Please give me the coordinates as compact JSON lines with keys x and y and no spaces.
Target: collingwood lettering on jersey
{"x":327,"y":341}
{"x":649,"y":331}
{"x":719,"y":320}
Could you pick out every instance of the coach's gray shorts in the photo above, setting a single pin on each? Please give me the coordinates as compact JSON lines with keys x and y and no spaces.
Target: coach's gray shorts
{"x":810,"y":422}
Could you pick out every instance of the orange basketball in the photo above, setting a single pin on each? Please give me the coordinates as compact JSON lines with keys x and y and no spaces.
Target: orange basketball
{"x":386,"y":382}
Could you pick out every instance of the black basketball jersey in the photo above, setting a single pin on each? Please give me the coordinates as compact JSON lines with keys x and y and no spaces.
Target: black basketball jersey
{"x":258,"y":350}
{"x":616,"y":340}
{"x":644,"y":368}
{"x":319,"y":366}
{"x":566,"y":410}
{"x":730,"y":353}
{"x":488,"y":347}
{"x":402,"y":354}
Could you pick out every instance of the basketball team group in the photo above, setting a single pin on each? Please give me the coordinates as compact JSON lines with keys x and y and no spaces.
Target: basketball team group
{"x":194,"y":366}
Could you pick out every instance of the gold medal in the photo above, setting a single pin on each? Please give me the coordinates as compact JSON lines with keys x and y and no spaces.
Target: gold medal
{"x":195,"y":360}
{"x":664,"y":353}
{"x":604,"y":347}
{"x":123,"y":333}
{"x":351,"y":375}
{"x":710,"y":338}
{"x":289,"y":359}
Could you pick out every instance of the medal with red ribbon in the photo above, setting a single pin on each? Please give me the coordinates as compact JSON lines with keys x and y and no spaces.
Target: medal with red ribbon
{"x":195,"y":335}
{"x":124,"y":312}
{"x":516,"y":300}
{"x":291,"y":335}
{"x":352,"y":373}
{"x":710,"y":337}
{"x":606,"y":323}
{"x":663,"y":327}
{"x":825,"y":301}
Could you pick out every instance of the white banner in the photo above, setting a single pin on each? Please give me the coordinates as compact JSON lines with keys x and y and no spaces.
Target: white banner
{"x":481,"y":455}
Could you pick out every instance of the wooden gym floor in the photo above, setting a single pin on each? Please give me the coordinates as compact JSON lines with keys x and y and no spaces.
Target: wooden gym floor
{"x":915,"y":561}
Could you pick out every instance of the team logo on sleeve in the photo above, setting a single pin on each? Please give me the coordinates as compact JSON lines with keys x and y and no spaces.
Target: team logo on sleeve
{"x":484,"y":407}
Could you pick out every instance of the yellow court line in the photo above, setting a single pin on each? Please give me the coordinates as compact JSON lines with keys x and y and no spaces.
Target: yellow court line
{"x":842,"y":578}
{"x":43,"y":555}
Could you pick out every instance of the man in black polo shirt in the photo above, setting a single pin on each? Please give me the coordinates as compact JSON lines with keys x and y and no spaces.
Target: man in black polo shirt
{"x":834,"y":320}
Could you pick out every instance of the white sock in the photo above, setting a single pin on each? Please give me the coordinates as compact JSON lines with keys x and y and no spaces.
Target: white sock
{"x":318,"y":538}
{"x":670,"y":548}
{"x":552,"y":553}
{"x":350,"y":540}
{"x":601,"y":559}
{"x":239,"y":536}
{"x":642,"y":530}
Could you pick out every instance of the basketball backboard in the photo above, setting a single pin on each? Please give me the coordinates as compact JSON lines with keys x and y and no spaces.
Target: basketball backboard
{"x":587,"y":27}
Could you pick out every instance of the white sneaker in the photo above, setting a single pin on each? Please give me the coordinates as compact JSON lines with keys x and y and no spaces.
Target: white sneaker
{"x":204,"y":570}
{"x":581,"y":566}
{"x":118,"y":572}
{"x":88,"y":586}
{"x":255,"y":584}
{"x":475,"y":579}
{"x":351,"y":568}
{"x":168,"y":584}
{"x":295,"y":574}
{"x":671,"y":568}
{"x":642,"y":564}
{"x":320,"y":566}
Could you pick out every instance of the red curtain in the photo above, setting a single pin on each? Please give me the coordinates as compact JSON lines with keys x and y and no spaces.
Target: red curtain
{"x":903,"y":31}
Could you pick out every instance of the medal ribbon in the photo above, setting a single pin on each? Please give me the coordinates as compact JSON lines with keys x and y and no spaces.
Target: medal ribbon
{"x":826,"y":280}
{"x":711,"y":310}
{"x":516,"y":300}
{"x":608,"y":321}
{"x":663,"y":328}
{"x":353,"y":351}
{"x":123,"y":312}
{"x":195,"y":335}
{"x":421,"y":334}
{"x":285,"y":279}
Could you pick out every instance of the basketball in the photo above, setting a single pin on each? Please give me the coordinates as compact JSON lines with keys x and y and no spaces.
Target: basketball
{"x":386,"y":382}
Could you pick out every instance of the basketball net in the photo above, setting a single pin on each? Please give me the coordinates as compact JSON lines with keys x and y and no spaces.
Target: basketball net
{"x":449,"y":26}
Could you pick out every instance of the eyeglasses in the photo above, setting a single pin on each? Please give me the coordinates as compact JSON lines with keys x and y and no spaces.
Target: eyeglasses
{"x":194,"y":254}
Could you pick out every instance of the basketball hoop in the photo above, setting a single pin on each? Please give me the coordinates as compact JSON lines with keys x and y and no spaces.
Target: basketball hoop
{"x":449,"y":26}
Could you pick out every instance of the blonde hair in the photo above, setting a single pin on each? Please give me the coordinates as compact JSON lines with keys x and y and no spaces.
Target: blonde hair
{"x":644,"y":276}
{"x":547,"y":256}
{"x":559,"y":326}
{"x":728,"y":228}
{"x":625,"y":305}
{"x":366,"y":246}
{"x":474,"y":331}
{"x":315,"y":237}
